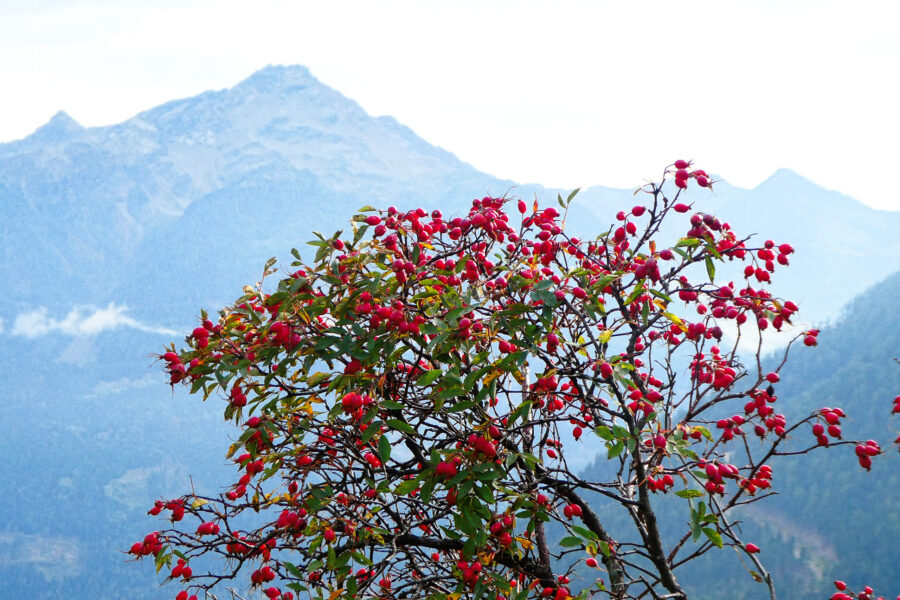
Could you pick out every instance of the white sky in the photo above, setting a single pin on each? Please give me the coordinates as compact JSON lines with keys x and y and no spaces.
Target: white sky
{"x":562,"y":93}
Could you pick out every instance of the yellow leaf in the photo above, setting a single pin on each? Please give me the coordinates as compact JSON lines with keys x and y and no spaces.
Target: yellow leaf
{"x":198,"y":502}
{"x":231,"y":450}
{"x":673,"y":318}
{"x":524,"y":543}
{"x":492,"y":376}
{"x":336,"y":593}
{"x":605,"y":336}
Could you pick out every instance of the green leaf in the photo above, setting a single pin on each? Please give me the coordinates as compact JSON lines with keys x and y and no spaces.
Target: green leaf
{"x":584,"y":532}
{"x":689,"y":493}
{"x":615,"y":450}
{"x":520,"y":411}
{"x":360,"y":232}
{"x":572,"y":195}
{"x":695,"y":525}
{"x":426,"y":491}
{"x":570,"y":542}
{"x":163,"y":559}
{"x":465,"y":488}
{"x":405,"y":487}
{"x":604,"y":432}
{"x":485,"y":493}
{"x":489,"y":475}
{"x":711,"y":248}
{"x":384,"y":449}
{"x":292,"y":569}
{"x":400,"y":426}
{"x":713,"y":536}
{"x":704,"y":431}
{"x":687,"y":242}
{"x":660,"y":295}
{"x":710,"y":269}
{"x":461,"y":406}
{"x":317,"y":378}
{"x":638,"y":290}
{"x":620,"y":432}
{"x":428,"y":378}
{"x":370,"y":431}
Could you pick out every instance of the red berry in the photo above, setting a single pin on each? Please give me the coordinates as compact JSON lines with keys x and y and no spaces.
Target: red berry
{"x":606,"y":370}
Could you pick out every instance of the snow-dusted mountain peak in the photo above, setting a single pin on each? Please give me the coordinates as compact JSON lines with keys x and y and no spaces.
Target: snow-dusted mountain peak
{"x":60,"y":126}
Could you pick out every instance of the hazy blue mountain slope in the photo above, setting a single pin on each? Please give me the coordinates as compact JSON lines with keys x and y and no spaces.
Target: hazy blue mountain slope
{"x":831,"y":519}
{"x":92,"y":436}
{"x":83,"y":205}
{"x":842,"y":246}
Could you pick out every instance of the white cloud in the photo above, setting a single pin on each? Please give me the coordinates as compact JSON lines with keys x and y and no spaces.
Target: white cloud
{"x":81,"y":321}
{"x":106,"y":388}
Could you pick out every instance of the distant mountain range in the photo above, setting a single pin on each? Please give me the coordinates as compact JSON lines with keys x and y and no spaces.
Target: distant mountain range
{"x":114,"y":237}
{"x":205,"y":189}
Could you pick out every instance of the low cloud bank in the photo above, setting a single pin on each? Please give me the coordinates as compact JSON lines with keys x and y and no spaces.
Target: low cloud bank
{"x":81,"y":321}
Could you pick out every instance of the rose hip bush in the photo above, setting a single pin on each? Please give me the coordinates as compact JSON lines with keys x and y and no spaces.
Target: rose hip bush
{"x":407,"y":401}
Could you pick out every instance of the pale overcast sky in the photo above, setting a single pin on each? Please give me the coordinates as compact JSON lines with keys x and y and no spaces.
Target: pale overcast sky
{"x":562,"y":93}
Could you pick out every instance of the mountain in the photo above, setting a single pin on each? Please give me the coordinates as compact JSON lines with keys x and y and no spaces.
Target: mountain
{"x":113,"y":238}
{"x":842,"y":246}
{"x":805,"y":531}
{"x":260,"y":164}
{"x":206,"y":189}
